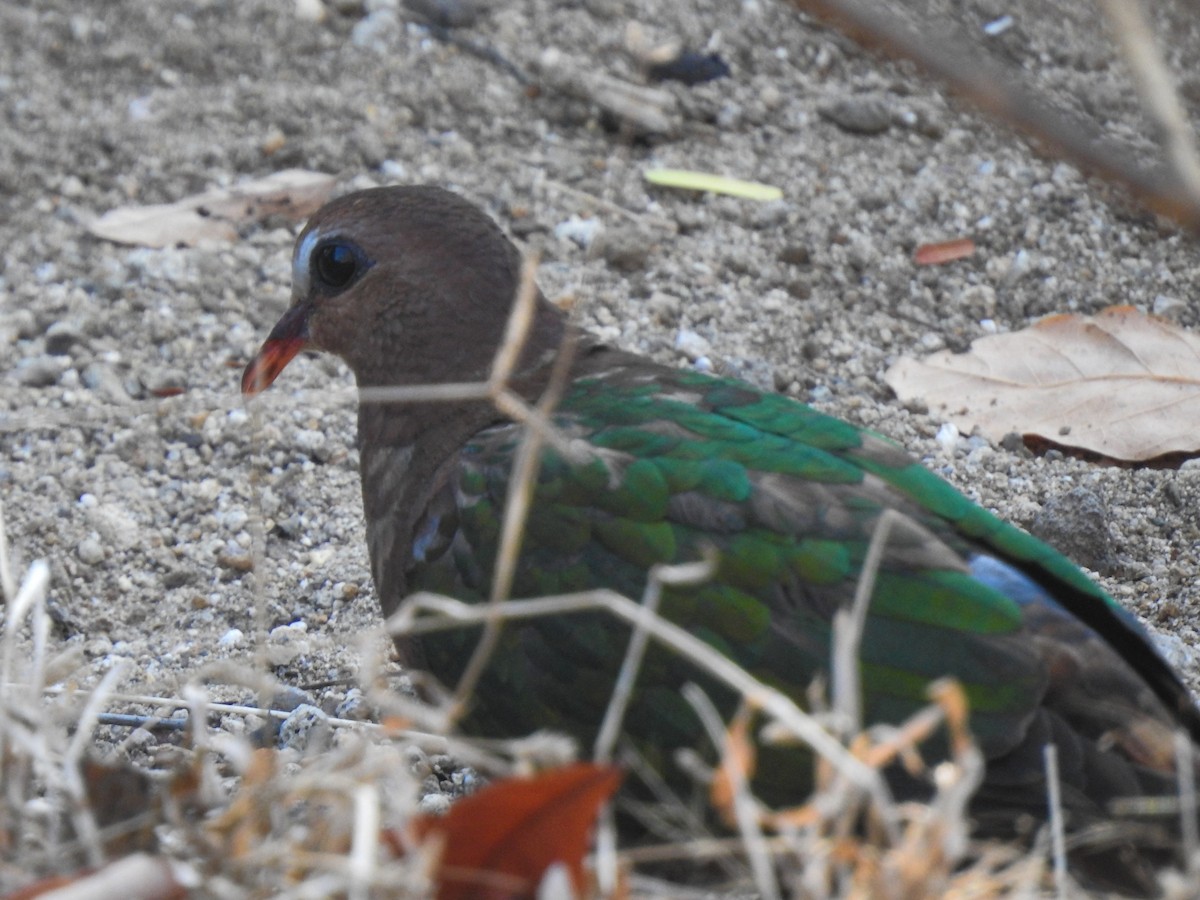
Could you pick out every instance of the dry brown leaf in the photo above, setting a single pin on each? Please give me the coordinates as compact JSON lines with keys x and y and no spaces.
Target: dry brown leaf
{"x":216,"y":215}
{"x":1121,"y":384}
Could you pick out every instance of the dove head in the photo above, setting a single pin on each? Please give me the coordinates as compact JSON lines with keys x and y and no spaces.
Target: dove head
{"x":408,"y":285}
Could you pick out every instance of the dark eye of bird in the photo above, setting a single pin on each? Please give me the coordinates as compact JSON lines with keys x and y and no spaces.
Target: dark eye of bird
{"x":336,"y":265}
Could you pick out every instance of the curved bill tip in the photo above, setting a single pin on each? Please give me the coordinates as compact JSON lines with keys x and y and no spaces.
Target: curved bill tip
{"x":274,"y":356}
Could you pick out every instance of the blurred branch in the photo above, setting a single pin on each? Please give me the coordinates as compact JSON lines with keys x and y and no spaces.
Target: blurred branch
{"x":1000,"y":91}
{"x":1159,"y":97}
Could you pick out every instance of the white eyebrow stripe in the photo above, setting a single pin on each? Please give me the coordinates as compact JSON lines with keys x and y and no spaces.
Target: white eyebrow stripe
{"x":301,"y":260}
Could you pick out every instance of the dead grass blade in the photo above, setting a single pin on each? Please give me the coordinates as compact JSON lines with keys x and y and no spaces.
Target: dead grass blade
{"x":1058,"y":839}
{"x":525,"y":469}
{"x":622,"y":693}
{"x":746,"y":813}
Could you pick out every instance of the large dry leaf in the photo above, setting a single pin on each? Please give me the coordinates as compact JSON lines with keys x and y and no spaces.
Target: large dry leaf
{"x":1121,"y":384}
{"x":216,"y":215}
{"x":499,"y":843}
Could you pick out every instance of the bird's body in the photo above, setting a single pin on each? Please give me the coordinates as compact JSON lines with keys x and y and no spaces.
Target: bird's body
{"x":413,"y":286}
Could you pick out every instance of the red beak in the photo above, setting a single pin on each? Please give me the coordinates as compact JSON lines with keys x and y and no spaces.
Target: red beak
{"x":287,"y":338}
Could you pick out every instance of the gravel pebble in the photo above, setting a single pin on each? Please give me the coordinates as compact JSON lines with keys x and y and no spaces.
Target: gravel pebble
{"x":90,"y":551}
{"x":61,"y":337}
{"x":40,"y":371}
{"x":1076,"y":523}
{"x":306,"y":729}
{"x":866,"y":114}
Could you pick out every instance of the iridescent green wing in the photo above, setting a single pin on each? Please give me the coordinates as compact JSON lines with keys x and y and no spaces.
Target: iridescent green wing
{"x":667,"y":463}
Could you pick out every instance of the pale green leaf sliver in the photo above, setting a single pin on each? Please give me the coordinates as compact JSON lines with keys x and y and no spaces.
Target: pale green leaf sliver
{"x":717,"y":184}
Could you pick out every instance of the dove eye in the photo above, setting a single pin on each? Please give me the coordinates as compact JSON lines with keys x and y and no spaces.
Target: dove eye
{"x":337,"y":264}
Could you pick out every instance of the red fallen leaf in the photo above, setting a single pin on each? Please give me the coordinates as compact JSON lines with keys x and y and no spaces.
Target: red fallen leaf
{"x":944,"y":252}
{"x":168,"y":391}
{"x":498,"y":843}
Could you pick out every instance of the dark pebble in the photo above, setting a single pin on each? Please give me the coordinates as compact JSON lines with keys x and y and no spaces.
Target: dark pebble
{"x":859,"y":114}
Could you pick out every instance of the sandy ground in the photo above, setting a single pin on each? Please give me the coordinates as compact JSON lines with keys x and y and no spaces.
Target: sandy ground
{"x":144,"y":508}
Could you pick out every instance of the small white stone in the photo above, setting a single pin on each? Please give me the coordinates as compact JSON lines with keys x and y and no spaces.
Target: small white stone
{"x":232,"y":638}
{"x":691,"y":344}
{"x":1174,"y":650}
{"x":394,"y":170}
{"x":311,"y":442}
{"x":235,"y":519}
{"x":90,"y":551}
{"x":377,"y":32}
{"x":286,"y":642}
{"x":311,"y":11}
{"x":114,"y":526}
{"x":581,"y":232}
{"x":947,"y":438}
{"x":1168,"y":307}
{"x":998,"y":26}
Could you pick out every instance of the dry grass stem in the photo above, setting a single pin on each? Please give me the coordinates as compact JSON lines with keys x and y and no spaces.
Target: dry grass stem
{"x":745,"y":807}
{"x":1058,"y":839}
{"x":1189,"y":814}
{"x":365,"y":842}
{"x":848,"y":624}
{"x":1156,"y":88}
{"x":524,"y":477}
{"x":8,"y":584}
{"x":31,"y":595}
{"x":258,"y":545}
{"x":622,"y":692}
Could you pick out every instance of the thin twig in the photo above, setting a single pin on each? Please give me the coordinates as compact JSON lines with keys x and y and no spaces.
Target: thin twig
{"x":522,"y":479}
{"x":468,"y":752}
{"x":516,"y":329}
{"x":1185,"y":768}
{"x":1057,"y":827}
{"x":623,"y":687}
{"x":485,"y":52}
{"x":848,"y":624}
{"x":85,"y":724}
{"x":745,"y":809}
{"x":364,"y":845}
{"x":31,"y":592}
{"x":8,"y":584}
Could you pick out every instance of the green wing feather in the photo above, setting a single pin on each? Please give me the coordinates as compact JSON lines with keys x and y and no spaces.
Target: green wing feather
{"x":789,"y":497}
